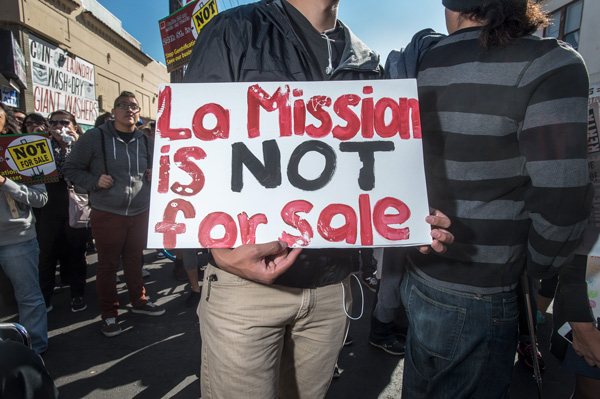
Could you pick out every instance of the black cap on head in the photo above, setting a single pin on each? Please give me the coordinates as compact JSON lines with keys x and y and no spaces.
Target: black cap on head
{"x":466,"y":5}
{"x":462,"y":5}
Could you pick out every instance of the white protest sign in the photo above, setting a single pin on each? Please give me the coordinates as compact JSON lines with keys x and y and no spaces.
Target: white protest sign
{"x":315,"y":164}
{"x":62,"y":82}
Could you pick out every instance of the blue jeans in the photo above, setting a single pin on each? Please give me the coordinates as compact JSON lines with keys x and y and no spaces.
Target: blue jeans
{"x":459,"y":344}
{"x":20,"y":263}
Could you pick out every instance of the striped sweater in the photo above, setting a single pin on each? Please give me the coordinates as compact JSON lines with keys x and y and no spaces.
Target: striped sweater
{"x":505,"y":145}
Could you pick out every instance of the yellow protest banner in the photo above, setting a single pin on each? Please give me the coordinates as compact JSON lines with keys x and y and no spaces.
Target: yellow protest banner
{"x":31,"y":154}
{"x":205,"y":14}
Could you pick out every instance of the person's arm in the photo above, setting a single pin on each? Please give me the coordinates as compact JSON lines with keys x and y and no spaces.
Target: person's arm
{"x":571,"y":301}
{"x":553,"y":142}
{"x":77,"y":165}
{"x":34,"y":196}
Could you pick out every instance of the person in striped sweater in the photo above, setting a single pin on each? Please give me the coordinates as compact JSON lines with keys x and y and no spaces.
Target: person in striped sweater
{"x":504,"y":117}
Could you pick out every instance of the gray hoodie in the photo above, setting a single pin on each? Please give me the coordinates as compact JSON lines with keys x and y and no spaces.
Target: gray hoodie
{"x":20,"y":226}
{"x":403,"y":64}
{"x":126,"y":164}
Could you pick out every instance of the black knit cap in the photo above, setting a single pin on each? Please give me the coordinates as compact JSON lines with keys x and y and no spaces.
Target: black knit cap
{"x":464,"y":5}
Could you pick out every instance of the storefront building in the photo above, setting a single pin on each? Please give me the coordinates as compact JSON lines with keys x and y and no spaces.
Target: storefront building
{"x":574,"y":21}
{"x":74,"y":55}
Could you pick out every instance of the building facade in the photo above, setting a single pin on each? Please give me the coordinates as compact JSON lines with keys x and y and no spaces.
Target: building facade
{"x":574,"y":21}
{"x":76,"y":57}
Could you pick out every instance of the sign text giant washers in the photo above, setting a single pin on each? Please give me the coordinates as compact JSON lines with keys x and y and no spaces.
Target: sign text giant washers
{"x":315,"y":164}
{"x":62,"y":82}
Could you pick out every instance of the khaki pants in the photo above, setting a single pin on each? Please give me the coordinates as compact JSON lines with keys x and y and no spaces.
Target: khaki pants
{"x":268,"y":342}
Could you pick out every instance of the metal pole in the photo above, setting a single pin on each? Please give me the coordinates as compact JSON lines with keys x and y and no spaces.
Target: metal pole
{"x":176,"y":76}
{"x":536,"y":365}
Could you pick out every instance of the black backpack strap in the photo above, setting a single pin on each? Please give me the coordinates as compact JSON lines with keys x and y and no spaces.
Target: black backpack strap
{"x":148,"y":153}
{"x":104,"y":152}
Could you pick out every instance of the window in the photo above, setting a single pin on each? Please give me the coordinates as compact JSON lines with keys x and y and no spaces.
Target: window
{"x":565,"y":23}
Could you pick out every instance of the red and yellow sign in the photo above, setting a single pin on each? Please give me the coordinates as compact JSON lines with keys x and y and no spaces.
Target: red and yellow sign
{"x":179,"y":31}
{"x":27,"y":158}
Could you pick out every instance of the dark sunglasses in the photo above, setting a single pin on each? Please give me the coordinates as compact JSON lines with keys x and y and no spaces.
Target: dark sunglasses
{"x":35,"y":123}
{"x":63,"y":122}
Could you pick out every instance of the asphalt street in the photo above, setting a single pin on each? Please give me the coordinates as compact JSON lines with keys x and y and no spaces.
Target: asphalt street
{"x":159,"y":357}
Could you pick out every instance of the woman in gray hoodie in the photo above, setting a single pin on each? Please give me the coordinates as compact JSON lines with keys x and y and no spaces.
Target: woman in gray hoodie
{"x":19,"y":255}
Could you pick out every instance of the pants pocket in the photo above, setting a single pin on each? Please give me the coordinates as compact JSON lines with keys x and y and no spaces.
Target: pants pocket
{"x":436,"y":326}
{"x":509,"y":313}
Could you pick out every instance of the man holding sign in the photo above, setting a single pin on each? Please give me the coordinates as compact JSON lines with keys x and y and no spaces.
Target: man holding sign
{"x":279,"y":340}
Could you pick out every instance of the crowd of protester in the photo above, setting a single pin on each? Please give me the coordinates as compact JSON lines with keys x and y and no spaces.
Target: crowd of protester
{"x":35,"y":228}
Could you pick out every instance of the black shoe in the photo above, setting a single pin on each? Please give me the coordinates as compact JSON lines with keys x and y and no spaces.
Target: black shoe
{"x":192,"y":300}
{"x":400,"y":332}
{"x":90,"y":248}
{"x":393,"y":346}
{"x":525,"y":354}
{"x":369,"y":281}
{"x":149,"y":309}
{"x":78,"y":304}
{"x":110,"y":327}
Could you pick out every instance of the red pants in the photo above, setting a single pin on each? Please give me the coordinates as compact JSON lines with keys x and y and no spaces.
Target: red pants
{"x":119,"y":237}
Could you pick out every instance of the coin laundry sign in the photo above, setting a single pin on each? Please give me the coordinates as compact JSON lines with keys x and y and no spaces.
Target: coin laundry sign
{"x":27,"y":158}
{"x":315,"y":164}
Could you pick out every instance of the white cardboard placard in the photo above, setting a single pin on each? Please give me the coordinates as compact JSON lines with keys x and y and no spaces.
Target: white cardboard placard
{"x":334,"y":164}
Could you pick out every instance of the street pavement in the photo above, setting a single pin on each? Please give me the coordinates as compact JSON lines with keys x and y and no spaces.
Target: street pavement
{"x":159,"y":357}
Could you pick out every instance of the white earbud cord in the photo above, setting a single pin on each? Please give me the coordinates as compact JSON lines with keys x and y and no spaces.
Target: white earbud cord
{"x":362,"y":297}
{"x":329,"y":68}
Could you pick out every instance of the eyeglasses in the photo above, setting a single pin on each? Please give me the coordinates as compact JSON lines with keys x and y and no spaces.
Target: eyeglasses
{"x":128,"y":106}
{"x":19,"y":119}
{"x":63,"y":122}
{"x":35,"y":123}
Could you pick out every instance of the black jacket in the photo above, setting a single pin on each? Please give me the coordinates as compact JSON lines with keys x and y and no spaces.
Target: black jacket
{"x":256,"y":43}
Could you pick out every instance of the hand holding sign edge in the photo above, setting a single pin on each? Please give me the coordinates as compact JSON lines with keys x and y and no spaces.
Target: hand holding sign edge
{"x":261,"y":263}
{"x":441,"y":237}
